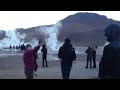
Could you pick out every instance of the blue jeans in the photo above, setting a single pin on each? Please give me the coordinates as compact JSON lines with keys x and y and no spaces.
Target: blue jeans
{"x":66,"y":68}
{"x":89,"y":60}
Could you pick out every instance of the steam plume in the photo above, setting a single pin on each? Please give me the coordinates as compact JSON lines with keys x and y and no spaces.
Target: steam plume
{"x":50,"y":34}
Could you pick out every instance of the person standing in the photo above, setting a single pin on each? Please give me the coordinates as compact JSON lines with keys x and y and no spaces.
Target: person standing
{"x":94,"y":56}
{"x":23,"y":47}
{"x":67,"y":55}
{"x":16,"y":48}
{"x":29,"y":61}
{"x":44,"y":55}
{"x":89,"y":56}
{"x":109,"y":66}
{"x":10,"y":48}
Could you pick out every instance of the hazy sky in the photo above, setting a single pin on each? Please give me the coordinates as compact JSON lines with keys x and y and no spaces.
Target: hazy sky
{"x":24,"y":19}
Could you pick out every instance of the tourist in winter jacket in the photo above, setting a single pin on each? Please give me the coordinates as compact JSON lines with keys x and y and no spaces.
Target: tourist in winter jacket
{"x":89,"y":56}
{"x":67,"y":56}
{"x":29,"y":60}
{"x":109,"y":67}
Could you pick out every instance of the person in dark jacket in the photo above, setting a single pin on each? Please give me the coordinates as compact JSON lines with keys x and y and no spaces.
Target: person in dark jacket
{"x":44,"y":55}
{"x":10,"y":48}
{"x":67,"y":56}
{"x":94,"y":56}
{"x":89,"y":57}
{"x":109,"y":66}
{"x":23,"y":47}
{"x":29,"y":60}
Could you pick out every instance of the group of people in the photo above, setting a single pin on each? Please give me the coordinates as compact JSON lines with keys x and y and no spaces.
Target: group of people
{"x":109,"y":66}
{"x":17,"y":48}
{"x":66,"y":53}
{"x":91,"y":56}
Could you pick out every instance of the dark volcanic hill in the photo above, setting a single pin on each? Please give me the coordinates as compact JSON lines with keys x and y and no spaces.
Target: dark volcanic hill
{"x":82,"y":28}
{"x":85,"y":28}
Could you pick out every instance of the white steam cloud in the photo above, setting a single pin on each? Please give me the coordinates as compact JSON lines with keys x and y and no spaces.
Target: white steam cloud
{"x":51,"y":34}
{"x":11,"y":39}
{"x":14,"y":38}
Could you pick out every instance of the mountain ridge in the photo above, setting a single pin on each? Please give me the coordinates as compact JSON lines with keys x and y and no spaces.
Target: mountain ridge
{"x":82,"y":28}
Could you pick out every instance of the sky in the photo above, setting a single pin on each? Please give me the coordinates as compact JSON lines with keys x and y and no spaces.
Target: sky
{"x":10,"y":20}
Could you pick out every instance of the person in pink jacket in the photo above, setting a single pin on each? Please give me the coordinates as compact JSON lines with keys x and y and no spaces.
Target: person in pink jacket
{"x":29,"y":61}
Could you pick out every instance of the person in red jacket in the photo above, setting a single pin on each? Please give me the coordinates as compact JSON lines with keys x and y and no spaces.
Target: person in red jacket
{"x":29,"y":61}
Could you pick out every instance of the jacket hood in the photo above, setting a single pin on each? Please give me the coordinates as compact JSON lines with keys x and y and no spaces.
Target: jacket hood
{"x":67,"y":45}
{"x":112,"y":32}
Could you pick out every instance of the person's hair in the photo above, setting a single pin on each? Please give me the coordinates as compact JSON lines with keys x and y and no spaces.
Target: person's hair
{"x":28,"y":45}
{"x":89,"y":46}
{"x":67,"y":40}
{"x":113,"y":32}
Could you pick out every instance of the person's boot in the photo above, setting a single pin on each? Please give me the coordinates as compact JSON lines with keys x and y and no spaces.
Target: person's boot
{"x":86,"y":67}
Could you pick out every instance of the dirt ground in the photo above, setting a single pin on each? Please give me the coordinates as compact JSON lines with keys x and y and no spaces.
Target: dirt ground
{"x":12,"y":67}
